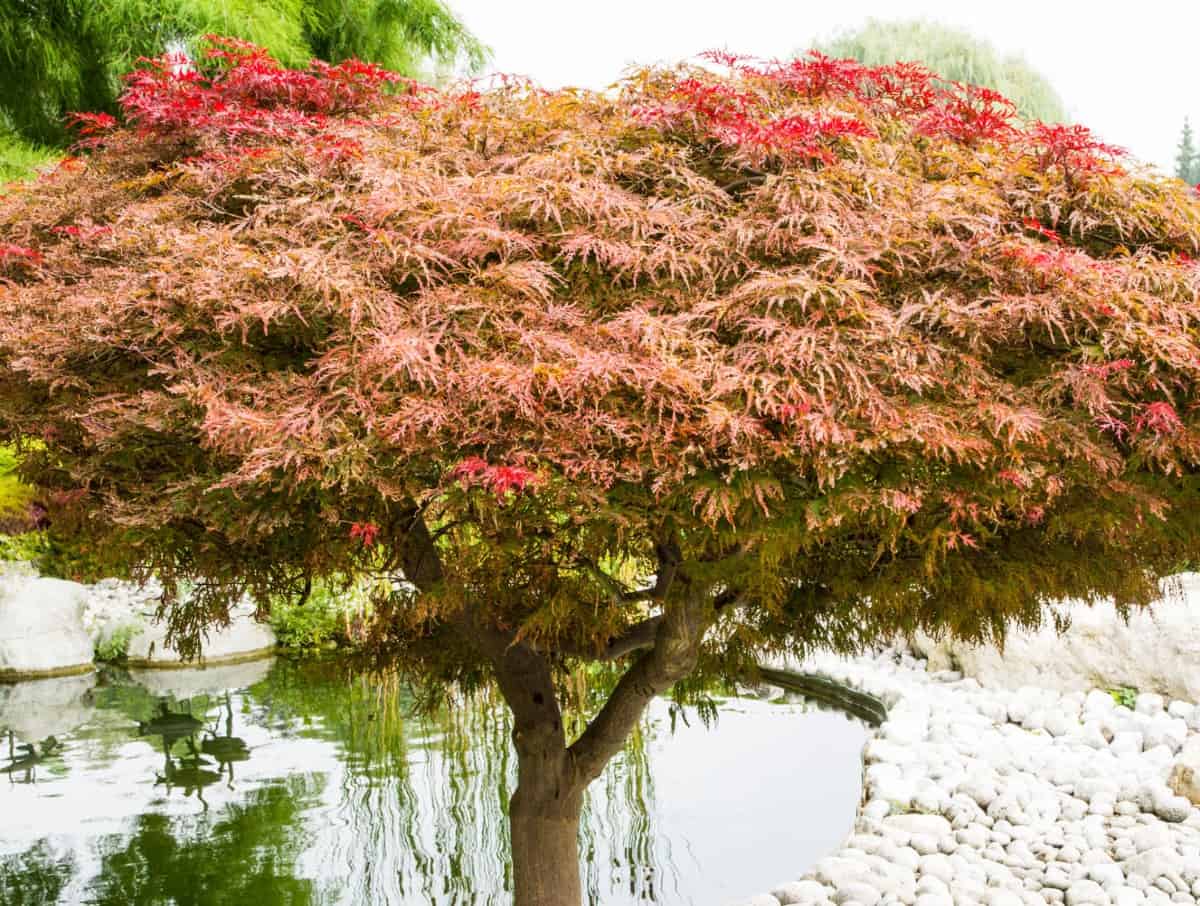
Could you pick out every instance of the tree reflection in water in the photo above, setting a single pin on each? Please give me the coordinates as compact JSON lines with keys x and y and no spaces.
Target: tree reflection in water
{"x":425,"y":797}
{"x":247,"y":856}
{"x":35,"y":878}
{"x":411,"y":810}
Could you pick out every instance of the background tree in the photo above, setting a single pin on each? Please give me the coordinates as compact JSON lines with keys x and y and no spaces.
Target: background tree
{"x":953,"y":54}
{"x":1187,"y":162}
{"x":726,"y":365}
{"x":61,"y":56}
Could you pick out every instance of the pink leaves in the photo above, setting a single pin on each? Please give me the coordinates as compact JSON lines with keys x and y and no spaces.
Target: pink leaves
{"x":1159,"y":418}
{"x":500,"y":480}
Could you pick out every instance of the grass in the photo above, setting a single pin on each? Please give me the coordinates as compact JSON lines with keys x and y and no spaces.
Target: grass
{"x":20,"y":160}
{"x":14,"y":496}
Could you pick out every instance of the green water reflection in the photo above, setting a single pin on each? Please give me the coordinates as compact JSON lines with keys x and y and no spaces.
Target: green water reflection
{"x":316,"y":783}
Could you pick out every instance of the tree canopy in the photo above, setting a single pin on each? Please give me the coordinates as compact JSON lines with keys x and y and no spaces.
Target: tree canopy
{"x":1187,"y":160}
{"x":953,"y":54}
{"x":793,"y":354}
{"x":59,"y":56}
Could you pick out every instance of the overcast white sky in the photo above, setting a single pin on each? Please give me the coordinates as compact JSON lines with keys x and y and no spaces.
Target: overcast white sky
{"x":1130,"y":71}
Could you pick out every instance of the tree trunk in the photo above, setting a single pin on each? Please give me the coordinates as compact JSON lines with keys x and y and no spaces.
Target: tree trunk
{"x":552,"y":776}
{"x":545,"y":845}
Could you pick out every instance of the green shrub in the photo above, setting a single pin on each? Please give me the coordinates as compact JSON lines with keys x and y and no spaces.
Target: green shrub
{"x":321,"y":619}
{"x":1124,"y":695}
{"x":115,"y":646}
{"x":27,"y":547}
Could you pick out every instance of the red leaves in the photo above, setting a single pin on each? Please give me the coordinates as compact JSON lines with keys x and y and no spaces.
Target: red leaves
{"x":92,"y":125}
{"x":500,"y":480}
{"x":815,"y":75}
{"x":366,"y":532}
{"x":790,"y":412}
{"x":1073,"y":148}
{"x":1013,"y":477}
{"x":1032,"y":223}
{"x":18,"y":256}
{"x":740,"y":119}
{"x":81,"y":233}
{"x":249,"y":94}
{"x":970,"y":114}
{"x":1108,"y":369}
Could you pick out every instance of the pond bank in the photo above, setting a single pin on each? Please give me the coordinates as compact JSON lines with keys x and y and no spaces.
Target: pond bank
{"x":53,"y":627}
{"x":1006,"y":797}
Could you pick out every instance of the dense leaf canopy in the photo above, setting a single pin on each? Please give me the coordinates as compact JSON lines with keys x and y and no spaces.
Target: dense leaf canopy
{"x":853,"y":348}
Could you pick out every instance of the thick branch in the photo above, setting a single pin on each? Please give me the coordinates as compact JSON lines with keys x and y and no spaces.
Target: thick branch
{"x":418,"y":553}
{"x":676,"y":649}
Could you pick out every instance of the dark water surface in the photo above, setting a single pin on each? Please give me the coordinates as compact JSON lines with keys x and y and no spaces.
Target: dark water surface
{"x":284,"y":784}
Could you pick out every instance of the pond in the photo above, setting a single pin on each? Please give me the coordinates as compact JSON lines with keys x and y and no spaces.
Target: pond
{"x":282,"y":782}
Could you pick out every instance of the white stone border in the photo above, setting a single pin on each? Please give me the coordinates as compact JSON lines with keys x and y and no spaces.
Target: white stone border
{"x":1008,"y":797}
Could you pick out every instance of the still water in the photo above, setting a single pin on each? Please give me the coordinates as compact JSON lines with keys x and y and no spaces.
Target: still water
{"x":285,"y":784}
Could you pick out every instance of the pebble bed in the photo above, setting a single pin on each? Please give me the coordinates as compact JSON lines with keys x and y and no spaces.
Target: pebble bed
{"x":1004,"y":797}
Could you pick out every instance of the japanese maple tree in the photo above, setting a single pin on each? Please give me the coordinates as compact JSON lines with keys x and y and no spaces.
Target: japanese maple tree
{"x":734,"y":360}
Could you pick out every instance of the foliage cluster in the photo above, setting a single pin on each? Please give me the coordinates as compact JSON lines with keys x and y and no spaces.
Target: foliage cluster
{"x":15,"y":497}
{"x":20,"y":159}
{"x":954,"y":54}
{"x":58,"y":56}
{"x":330,"y":613}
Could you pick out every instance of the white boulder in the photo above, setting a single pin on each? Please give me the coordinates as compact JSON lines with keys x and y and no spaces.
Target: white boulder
{"x":41,"y":628}
{"x":243,"y":639}
{"x":1156,"y":651}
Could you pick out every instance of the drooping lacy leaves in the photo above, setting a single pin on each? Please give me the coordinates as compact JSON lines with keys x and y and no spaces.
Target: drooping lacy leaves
{"x":869,"y":351}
